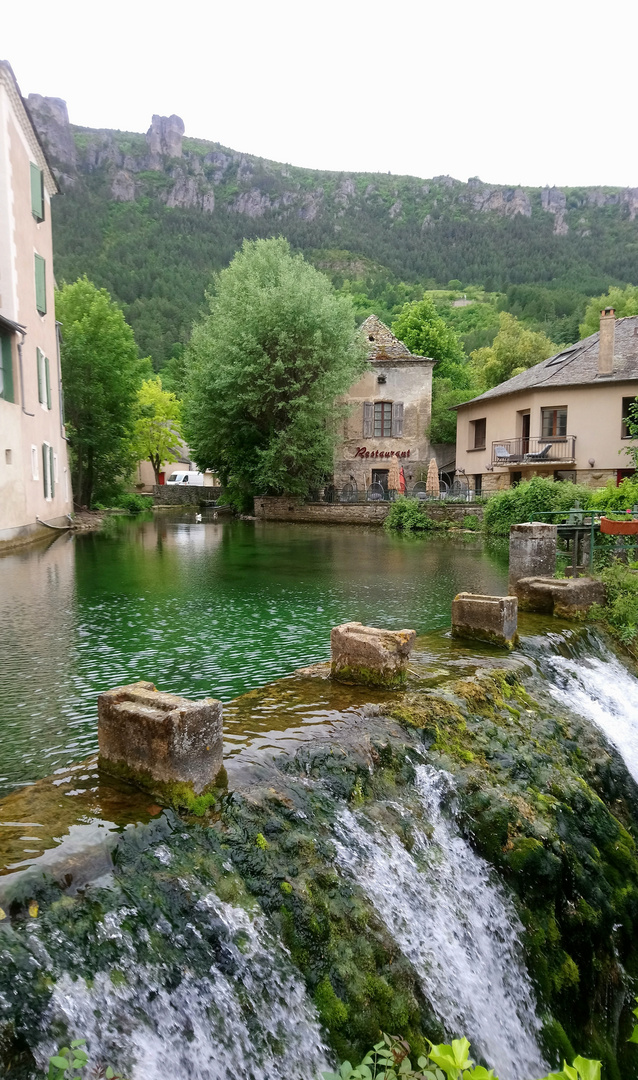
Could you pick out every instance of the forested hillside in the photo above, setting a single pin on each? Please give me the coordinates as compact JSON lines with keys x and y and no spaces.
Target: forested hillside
{"x":152,"y":217}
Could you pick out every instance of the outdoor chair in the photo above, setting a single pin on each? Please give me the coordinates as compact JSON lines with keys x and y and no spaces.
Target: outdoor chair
{"x":541,"y":455}
{"x":501,"y":454}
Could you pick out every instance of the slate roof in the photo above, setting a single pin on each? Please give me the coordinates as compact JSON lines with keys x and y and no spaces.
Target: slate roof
{"x":576,"y":365}
{"x":384,"y":346}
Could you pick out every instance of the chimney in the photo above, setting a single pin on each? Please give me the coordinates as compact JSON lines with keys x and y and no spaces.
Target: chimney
{"x":606,"y":341}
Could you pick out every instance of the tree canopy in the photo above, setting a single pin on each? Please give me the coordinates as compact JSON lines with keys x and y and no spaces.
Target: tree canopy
{"x":514,"y":349}
{"x":625,"y":302}
{"x":101,"y":372}
{"x":157,"y":427}
{"x":421,"y":328}
{"x":265,"y":367}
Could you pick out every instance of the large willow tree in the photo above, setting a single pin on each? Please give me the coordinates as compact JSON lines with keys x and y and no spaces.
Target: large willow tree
{"x":265,"y":367}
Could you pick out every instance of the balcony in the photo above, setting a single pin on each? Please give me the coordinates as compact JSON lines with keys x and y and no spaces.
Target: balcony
{"x":514,"y":453}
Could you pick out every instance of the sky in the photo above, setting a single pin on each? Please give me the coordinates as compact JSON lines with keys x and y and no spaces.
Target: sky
{"x":515,"y":93}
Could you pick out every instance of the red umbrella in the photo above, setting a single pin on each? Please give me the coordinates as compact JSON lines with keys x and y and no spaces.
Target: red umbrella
{"x":402,"y":483}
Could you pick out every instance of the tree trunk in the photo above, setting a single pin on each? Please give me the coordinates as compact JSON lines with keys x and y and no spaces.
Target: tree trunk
{"x":156,"y":463}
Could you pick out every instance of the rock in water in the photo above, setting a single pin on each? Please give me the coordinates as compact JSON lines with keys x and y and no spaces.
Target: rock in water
{"x":365,"y":654}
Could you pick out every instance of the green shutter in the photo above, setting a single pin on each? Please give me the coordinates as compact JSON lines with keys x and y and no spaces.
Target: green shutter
{"x":47,"y":375}
{"x":6,"y":370}
{"x":51,"y":473}
{"x":41,"y":386}
{"x":40,"y":285}
{"x":37,"y":193}
{"x":45,"y":466}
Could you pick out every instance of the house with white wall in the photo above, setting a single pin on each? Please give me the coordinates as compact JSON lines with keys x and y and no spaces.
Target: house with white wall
{"x":35,"y":484}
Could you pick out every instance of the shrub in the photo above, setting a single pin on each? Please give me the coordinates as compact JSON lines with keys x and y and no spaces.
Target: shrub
{"x":528,"y":500}
{"x":406,"y":515}
{"x":620,"y":612}
{"x":615,"y":499}
{"x":135,"y":503}
{"x":470,"y":521}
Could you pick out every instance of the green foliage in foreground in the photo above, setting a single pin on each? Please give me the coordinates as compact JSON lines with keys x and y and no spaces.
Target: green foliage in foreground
{"x":389,"y":1060}
{"x":265,"y":368}
{"x":620,"y":613}
{"x":101,"y":372}
{"x":70,"y":1062}
{"x":406,"y":515}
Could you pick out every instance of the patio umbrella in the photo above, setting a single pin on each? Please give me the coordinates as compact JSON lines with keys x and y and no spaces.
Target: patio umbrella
{"x":393,"y":475}
{"x":432,"y":486}
{"x":402,"y":484}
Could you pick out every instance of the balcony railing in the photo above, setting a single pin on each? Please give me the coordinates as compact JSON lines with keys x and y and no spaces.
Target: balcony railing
{"x":516,"y":452}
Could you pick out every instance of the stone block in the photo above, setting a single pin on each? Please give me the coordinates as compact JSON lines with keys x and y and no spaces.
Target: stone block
{"x":367,"y":655}
{"x":485,"y":618}
{"x":163,"y":743}
{"x":567,"y":597}
{"x":532,"y":552}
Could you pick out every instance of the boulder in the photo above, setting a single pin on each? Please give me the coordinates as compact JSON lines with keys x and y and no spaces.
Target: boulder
{"x":567,"y":597}
{"x":486,"y":618}
{"x":368,"y":655}
{"x":160,"y":742}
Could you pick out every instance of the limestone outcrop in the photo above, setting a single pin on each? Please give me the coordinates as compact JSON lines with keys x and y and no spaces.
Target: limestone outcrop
{"x":368,"y":655}
{"x":164,"y":137}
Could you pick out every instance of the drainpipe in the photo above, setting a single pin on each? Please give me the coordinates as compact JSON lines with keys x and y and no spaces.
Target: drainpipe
{"x":20,"y":344}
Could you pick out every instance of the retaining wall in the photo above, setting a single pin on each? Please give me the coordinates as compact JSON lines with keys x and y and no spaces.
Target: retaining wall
{"x":289,"y":508}
{"x":183,"y":495}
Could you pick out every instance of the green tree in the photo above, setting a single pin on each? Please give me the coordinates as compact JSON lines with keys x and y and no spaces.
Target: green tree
{"x":631,"y":422}
{"x":625,"y":302}
{"x":514,"y":349}
{"x":265,"y":368}
{"x":445,"y":396}
{"x":101,"y":372}
{"x":157,"y":428}
{"x":421,"y":328}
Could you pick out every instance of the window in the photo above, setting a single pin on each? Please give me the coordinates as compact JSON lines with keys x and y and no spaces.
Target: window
{"x":40,"y":285}
{"x":48,"y":474}
{"x":37,"y":193}
{"x":382,"y":419}
{"x":44,"y":379}
{"x":478,"y":431}
{"x":478,"y":483}
{"x":6,"y":368}
{"x":554,"y":423}
{"x":35,"y":473}
{"x":627,"y":402}
{"x":8,"y":457}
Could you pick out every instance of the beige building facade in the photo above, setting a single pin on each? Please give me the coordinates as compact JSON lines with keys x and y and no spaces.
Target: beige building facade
{"x":389,"y":414}
{"x":35,"y":485}
{"x":563,"y":418}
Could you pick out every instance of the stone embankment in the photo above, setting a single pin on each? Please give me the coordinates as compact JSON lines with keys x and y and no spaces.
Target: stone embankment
{"x":290,"y":508}
{"x":183,"y":495}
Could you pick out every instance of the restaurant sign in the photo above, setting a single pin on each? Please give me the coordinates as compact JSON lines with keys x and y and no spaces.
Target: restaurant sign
{"x":362,"y":452}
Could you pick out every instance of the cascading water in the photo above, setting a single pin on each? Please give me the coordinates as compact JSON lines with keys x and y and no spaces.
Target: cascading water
{"x":588,"y":679}
{"x":456,"y":925}
{"x":249,"y":1016}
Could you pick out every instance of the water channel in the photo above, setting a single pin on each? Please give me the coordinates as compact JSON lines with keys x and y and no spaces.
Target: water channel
{"x":209,"y":609}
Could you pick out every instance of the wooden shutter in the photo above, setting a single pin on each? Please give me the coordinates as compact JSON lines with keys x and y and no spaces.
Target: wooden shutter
{"x":40,"y":285}
{"x":45,"y":469}
{"x":397,"y":418}
{"x":42,"y":394}
{"x":6,"y":366}
{"x":47,"y":378}
{"x":368,"y":419}
{"x":37,"y":193}
{"x":51,"y":472}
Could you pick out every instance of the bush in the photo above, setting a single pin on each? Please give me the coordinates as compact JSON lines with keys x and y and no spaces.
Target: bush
{"x":616,"y":499}
{"x":134,"y":503}
{"x":406,"y":515}
{"x":529,"y":499}
{"x":620,"y":612}
{"x":470,"y":521}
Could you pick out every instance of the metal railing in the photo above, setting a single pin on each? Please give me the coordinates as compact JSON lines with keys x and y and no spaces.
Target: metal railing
{"x":580,"y":528}
{"x":516,"y":452}
{"x":351,"y":493}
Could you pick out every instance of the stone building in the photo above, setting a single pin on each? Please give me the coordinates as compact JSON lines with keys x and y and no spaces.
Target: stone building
{"x":391,"y":407}
{"x":34,"y":470}
{"x":563,"y":418}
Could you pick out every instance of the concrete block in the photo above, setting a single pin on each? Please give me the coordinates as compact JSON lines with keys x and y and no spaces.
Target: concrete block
{"x":161,"y":742}
{"x":485,"y":618}
{"x":567,"y":597}
{"x":532,"y":552}
{"x":367,"y":655}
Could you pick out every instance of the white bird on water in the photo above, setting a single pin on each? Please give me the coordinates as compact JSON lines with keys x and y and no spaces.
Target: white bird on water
{"x":198,"y":517}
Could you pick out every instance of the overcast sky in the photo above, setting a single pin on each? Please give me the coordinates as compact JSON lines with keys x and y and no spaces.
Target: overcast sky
{"x":529,"y":93}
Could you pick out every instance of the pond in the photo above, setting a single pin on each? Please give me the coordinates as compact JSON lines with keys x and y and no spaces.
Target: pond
{"x":201,"y":609}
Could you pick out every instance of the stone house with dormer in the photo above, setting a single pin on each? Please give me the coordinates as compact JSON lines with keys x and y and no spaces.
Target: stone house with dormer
{"x":390,"y":412}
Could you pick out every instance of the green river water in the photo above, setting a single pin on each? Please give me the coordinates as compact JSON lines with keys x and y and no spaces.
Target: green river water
{"x":210,"y":609}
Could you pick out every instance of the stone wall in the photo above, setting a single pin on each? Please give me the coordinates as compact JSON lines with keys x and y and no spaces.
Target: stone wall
{"x":183,"y":495}
{"x":290,"y":508}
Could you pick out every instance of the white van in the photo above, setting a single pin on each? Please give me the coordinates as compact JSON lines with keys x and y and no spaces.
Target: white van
{"x":195,"y":479}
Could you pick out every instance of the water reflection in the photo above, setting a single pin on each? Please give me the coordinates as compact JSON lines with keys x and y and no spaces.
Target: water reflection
{"x":216,"y":608}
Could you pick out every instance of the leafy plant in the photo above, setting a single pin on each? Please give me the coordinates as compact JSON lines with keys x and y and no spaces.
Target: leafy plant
{"x":70,"y":1061}
{"x":389,"y":1060}
{"x":407,"y":515}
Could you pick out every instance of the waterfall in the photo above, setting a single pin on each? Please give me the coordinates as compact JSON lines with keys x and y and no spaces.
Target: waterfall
{"x":597,"y":686}
{"x":454,"y":922}
{"x":248,"y":1017}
